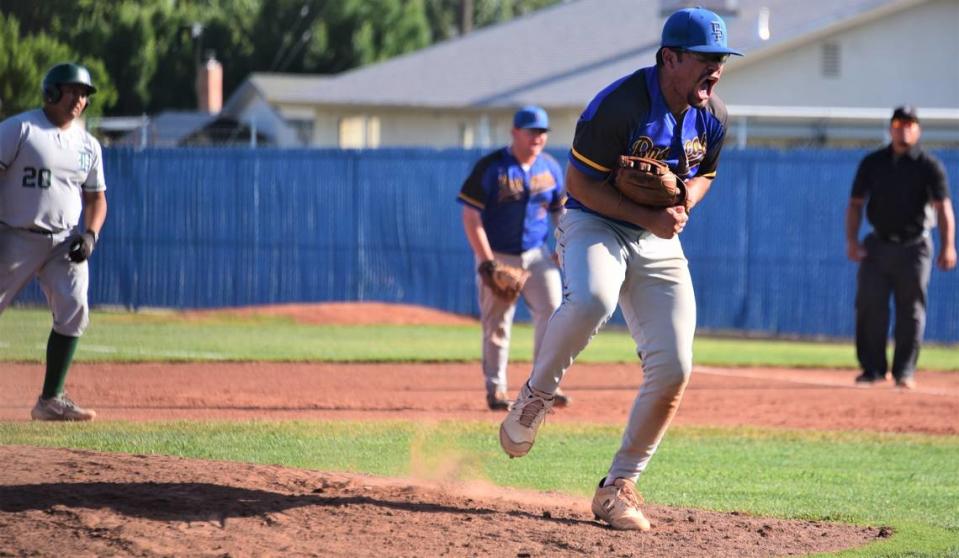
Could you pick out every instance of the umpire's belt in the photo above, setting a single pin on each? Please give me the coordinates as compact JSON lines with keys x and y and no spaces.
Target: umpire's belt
{"x":900,"y":238}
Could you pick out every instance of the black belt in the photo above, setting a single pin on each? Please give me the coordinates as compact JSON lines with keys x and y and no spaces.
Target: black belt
{"x":36,"y":230}
{"x":899,"y":238}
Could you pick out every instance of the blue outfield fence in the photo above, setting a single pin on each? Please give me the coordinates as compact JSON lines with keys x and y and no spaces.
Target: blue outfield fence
{"x":190,"y":228}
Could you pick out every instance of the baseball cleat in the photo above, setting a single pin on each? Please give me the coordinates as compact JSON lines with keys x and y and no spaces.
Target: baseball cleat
{"x":560,"y":399}
{"x":618,"y":505}
{"x":866,"y":379}
{"x":497,"y":401}
{"x":906,"y":383}
{"x":60,"y":407}
{"x":518,"y":430}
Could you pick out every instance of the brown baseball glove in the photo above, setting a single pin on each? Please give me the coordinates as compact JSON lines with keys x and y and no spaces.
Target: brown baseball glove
{"x":649,"y":182}
{"x":504,"y":280}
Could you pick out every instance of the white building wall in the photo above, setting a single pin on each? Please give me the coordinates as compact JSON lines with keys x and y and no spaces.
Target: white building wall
{"x":911,"y":57}
{"x":401,"y":127}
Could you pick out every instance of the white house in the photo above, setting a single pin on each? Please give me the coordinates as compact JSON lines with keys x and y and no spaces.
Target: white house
{"x":816,"y":72}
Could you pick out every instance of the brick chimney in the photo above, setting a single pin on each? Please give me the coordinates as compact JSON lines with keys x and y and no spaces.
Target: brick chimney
{"x":209,"y":85}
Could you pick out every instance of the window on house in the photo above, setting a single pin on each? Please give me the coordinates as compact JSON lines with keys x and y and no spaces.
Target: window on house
{"x":303,"y":129}
{"x":830,"y":60}
{"x":358,"y":132}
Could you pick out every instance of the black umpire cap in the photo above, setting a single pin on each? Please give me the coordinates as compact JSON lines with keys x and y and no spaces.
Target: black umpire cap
{"x":905,"y":112}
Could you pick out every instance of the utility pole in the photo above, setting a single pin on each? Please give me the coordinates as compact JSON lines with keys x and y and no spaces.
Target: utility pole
{"x":466,"y":16}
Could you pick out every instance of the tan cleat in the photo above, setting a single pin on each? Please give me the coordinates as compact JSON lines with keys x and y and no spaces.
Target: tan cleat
{"x":618,"y":505}
{"x":60,"y":407}
{"x":518,"y":430}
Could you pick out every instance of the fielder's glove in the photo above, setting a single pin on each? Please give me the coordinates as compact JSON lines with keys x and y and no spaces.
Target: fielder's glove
{"x":505,"y":281}
{"x":82,"y":246}
{"x":649,"y":182}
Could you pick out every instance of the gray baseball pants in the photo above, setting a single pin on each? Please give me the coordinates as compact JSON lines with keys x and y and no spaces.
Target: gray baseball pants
{"x":541,"y":293}
{"x":605,"y":263}
{"x":25,"y":255}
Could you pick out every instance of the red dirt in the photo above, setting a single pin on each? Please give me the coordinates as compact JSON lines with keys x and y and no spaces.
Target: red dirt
{"x":155,"y":505}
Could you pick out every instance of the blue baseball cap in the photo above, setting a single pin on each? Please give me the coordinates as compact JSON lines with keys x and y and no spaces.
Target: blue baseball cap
{"x":698,"y":30}
{"x":531,"y":116}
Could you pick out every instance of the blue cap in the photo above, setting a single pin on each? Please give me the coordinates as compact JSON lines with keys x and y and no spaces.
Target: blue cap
{"x":698,"y":30}
{"x":531,"y":116}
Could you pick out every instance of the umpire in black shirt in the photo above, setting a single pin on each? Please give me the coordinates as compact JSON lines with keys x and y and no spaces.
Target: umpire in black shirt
{"x":905,"y":192}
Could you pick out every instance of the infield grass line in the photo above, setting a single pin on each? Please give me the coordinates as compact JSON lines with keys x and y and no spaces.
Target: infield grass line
{"x":174,"y":337}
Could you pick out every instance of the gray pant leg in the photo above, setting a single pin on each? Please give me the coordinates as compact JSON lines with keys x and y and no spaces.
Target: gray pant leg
{"x":25,"y":255}
{"x":21,"y":255}
{"x":65,"y":284}
{"x":660,"y":309}
{"x":542,"y":293}
{"x":594,"y":266}
{"x":496,"y":319}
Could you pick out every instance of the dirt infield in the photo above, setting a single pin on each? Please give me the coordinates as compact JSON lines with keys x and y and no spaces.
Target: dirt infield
{"x":61,"y":502}
{"x":55,"y":501}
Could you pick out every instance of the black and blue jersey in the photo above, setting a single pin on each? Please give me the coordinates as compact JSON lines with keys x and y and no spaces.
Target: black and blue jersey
{"x":631,"y":117}
{"x":514,"y":202}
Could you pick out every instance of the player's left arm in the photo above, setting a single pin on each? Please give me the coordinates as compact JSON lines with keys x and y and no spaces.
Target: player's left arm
{"x":947,"y":234}
{"x":94,"y":211}
{"x":696,"y":189}
{"x":94,"y":194}
{"x":939,"y":189}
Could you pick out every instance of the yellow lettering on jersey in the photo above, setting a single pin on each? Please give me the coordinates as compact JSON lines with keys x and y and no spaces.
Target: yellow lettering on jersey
{"x":541,"y":182}
{"x":509,"y":188}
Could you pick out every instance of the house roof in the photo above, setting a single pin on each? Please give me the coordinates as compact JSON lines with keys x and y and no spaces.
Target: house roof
{"x":168,"y":128}
{"x":557,"y":56}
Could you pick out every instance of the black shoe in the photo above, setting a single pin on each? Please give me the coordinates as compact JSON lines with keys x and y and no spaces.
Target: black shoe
{"x":497,"y":401}
{"x":560,"y":399}
{"x":869,"y":379}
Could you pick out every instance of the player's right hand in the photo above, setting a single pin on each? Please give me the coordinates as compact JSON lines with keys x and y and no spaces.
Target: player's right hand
{"x":668,"y":222}
{"x":855,"y":251}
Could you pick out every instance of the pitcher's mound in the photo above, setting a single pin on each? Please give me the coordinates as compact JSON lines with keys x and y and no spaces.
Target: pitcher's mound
{"x":58,"y":502}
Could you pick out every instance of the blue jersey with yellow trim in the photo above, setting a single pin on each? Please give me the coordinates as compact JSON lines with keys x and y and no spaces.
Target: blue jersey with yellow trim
{"x":514,"y":202}
{"x":630,"y":117}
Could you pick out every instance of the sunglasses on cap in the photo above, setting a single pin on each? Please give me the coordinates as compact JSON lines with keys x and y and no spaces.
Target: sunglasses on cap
{"x":705,"y":57}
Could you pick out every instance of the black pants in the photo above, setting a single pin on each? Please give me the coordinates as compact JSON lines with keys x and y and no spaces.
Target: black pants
{"x":902,"y":271}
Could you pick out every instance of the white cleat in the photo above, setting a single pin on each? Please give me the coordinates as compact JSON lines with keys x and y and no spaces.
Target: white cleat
{"x":518,"y":430}
{"x":60,"y":407}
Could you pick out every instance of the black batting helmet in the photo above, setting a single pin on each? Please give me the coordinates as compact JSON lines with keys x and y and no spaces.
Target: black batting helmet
{"x":68,"y":72}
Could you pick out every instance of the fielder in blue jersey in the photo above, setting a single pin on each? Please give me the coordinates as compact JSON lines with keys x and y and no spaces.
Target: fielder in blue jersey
{"x":507,"y":202}
{"x":614,"y":251}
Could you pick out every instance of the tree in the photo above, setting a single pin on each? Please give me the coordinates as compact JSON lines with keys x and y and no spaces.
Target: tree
{"x":151,"y":48}
{"x":27,"y":61}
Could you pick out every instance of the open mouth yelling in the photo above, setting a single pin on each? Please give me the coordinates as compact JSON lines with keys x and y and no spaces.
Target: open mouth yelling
{"x":704,"y":89}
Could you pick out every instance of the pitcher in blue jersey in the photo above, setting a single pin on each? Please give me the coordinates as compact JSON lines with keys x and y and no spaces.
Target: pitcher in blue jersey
{"x":507,"y":201}
{"x":614,"y":251}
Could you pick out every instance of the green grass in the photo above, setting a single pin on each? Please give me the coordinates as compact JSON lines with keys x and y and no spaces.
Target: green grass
{"x":116,"y":336}
{"x":908,"y":482}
